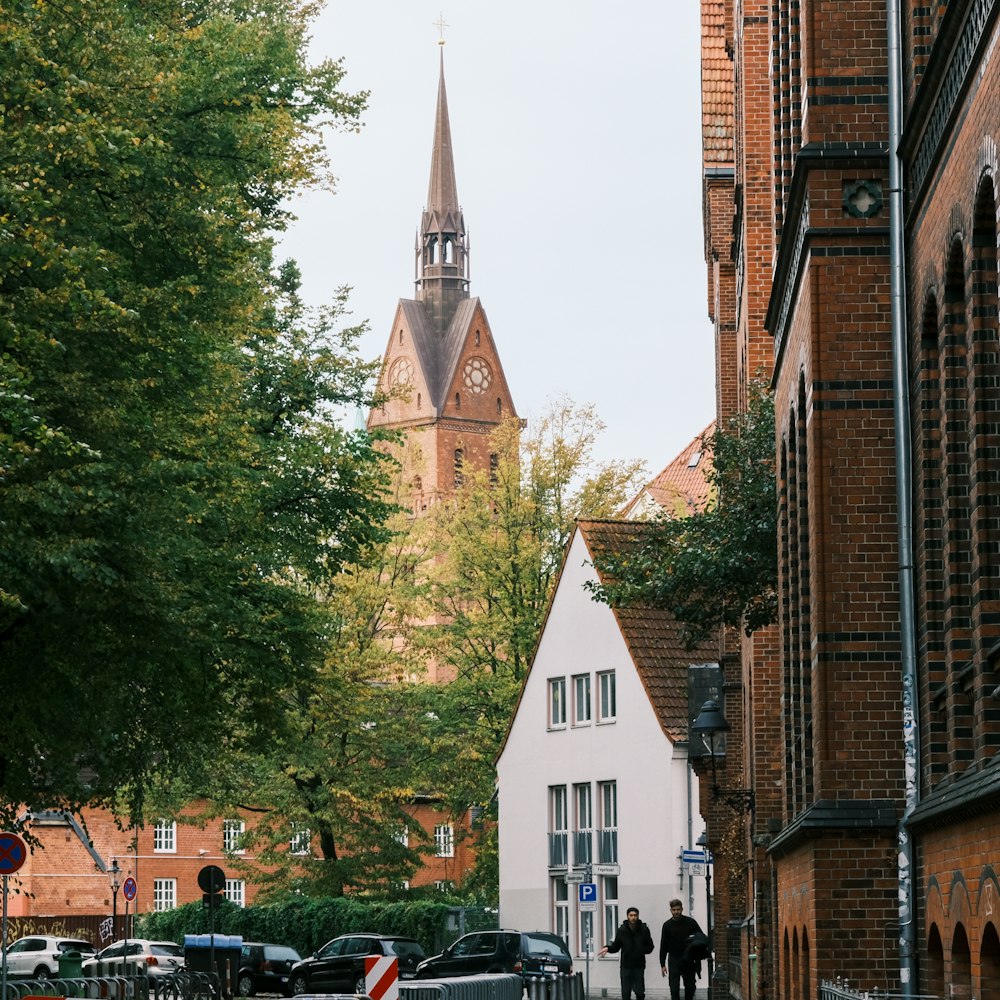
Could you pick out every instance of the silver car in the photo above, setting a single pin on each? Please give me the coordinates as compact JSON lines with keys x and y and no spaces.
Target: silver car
{"x":152,"y":958}
{"x":37,"y":956}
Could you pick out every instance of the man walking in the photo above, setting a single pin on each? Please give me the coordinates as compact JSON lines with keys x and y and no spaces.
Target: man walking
{"x":675,"y":960}
{"x":635,"y":942}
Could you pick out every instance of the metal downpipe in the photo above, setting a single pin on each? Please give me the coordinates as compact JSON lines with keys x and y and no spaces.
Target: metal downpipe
{"x":904,"y":504}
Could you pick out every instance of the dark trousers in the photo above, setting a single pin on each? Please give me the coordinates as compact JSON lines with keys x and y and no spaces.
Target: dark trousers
{"x":675,"y":975}
{"x":633,"y":981}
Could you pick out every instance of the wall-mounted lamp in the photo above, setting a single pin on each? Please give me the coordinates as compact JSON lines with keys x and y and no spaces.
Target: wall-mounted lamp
{"x":709,"y":725}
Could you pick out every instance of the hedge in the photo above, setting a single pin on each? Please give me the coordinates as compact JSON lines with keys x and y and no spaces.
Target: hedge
{"x":306,"y":924}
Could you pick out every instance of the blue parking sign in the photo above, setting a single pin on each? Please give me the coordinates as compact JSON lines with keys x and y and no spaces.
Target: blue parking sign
{"x":588,"y":892}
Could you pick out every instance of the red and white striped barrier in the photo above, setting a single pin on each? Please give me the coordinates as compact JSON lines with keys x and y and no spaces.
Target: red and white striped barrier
{"x":382,"y":977}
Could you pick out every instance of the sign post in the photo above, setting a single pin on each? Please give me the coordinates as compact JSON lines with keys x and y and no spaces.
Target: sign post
{"x":129,"y":889}
{"x":13,"y":853}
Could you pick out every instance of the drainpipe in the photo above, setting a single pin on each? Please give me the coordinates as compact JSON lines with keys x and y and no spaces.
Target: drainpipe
{"x":904,"y":504}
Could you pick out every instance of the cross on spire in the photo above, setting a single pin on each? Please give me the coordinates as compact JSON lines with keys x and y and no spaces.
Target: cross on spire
{"x":441,"y":24}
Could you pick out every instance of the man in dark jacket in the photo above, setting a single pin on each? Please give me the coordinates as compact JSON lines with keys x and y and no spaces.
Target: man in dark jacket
{"x":635,"y":942}
{"x":675,"y":959}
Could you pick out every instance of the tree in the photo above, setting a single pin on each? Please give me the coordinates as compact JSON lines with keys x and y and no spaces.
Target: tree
{"x":501,"y":544}
{"x":172,"y":490}
{"x":717,"y":566}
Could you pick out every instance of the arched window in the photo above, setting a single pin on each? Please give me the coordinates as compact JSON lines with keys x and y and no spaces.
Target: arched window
{"x":459,"y":461}
{"x":458,"y":400}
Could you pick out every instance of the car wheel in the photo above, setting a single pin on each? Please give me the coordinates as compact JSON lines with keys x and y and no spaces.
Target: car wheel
{"x":244,"y":985}
{"x":360,"y":986}
{"x":299,"y":985}
{"x":42,"y":972}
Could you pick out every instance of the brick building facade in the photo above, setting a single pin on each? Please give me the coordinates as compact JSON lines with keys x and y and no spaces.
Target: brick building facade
{"x":852,"y":862}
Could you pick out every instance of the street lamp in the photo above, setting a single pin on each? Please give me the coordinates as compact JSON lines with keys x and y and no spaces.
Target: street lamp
{"x":702,"y":842}
{"x":114,"y":880}
{"x":710,"y":723}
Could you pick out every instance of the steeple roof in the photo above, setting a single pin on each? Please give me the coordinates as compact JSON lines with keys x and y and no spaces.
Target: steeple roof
{"x":442,"y":213}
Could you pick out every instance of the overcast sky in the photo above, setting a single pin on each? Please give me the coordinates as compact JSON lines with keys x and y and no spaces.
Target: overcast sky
{"x":575,"y":127}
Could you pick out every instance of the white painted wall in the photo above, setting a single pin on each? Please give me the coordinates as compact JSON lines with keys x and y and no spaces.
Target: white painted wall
{"x":657,"y":793}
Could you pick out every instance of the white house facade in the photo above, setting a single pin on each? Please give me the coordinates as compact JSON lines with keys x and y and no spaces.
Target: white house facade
{"x":594,"y":772}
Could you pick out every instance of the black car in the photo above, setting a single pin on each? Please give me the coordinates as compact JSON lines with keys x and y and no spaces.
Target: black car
{"x":530,"y":953}
{"x":339,"y":966}
{"x":265,"y":968}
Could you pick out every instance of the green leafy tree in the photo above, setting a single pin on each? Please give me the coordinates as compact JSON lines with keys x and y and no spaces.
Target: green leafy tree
{"x":718,"y":566}
{"x":501,"y":544}
{"x":172,"y":490}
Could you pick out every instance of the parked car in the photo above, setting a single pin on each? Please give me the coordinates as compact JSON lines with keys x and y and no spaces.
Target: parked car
{"x":155,"y":958}
{"x":339,"y":966}
{"x":37,"y":956}
{"x":265,"y":968}
{"x":530,"y":953}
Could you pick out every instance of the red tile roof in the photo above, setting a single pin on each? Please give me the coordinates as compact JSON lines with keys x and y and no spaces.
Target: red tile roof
{"x":651,"y":635}
{"x":680,"y":489}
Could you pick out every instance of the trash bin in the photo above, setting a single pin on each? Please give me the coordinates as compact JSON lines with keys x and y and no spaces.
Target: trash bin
{"x":70,"y":965}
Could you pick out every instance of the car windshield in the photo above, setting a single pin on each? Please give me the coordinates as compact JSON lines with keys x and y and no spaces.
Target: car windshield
{"x":536,"y":944}
{"x":405,"y":949}
{"x":279,"y":953}
{"x":170,"y":950}
{"x":81,"y":946}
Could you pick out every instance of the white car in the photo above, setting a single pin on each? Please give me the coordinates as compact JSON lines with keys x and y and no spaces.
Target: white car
{"x":154,"y":958}
{"x":37,"y":956}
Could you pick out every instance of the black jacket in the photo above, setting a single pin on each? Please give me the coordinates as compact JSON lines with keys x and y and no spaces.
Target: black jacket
{"x":634,"y":945}
{"x":675,"y":935}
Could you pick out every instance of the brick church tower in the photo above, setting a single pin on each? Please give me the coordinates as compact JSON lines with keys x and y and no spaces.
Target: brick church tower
{"x":441,"y":370}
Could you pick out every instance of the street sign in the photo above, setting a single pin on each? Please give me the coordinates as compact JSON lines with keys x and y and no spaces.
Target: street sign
{"x":573,"y":876}
{"x":587,"y":892}
{"x":13,"y":853}
{"x":129,"y":888}
{"x":211,"y":879}
{"x":694,"y":857}
{"x":610,"y":870}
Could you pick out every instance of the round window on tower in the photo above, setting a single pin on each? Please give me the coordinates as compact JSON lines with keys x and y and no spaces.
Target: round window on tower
{"x":477,"y":375}
{"x":401,"y":372}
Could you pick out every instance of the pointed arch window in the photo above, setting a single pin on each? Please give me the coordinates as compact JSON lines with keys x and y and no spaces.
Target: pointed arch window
{"x":499,"y":406}
{"x":494,"y":466}
{"x":477,"y":338}
{"x":459,"y":462}
{"x":458,"y":401}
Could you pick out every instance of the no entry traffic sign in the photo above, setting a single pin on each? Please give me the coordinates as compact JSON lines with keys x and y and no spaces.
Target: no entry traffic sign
{"x":13,"y":853}
{"x":128,"y":888}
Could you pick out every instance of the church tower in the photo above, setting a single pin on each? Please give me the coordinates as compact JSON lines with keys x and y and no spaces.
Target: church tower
{"x":441,"y":370}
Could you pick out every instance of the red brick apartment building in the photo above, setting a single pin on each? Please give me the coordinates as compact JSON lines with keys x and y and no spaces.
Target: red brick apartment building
{"x":67,"y":876}
{"x":850,"y":199}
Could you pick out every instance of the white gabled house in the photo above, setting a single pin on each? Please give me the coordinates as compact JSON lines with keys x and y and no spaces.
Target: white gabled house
{"x":594,"y":769}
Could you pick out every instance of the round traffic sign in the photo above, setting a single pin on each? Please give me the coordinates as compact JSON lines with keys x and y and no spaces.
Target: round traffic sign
{"x":129,"y":888}
{"x":211,"y":879}
{"x":13,"y":853}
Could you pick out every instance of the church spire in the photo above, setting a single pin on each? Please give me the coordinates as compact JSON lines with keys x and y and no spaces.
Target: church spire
{"x":442,"y":253}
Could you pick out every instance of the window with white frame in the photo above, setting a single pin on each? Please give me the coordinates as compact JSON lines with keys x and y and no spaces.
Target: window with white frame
{"x":164,"y":894}
{"x":606,"y":700}
{"x":581,"y":700}
{"x":557,"y":702}
{"x":609,"y":892}
{"x":583,"y":835}
{"x":232,"y":830}
{"x":236,"y":891}
{"x":402,"y":836}
{"x":444,"y":840}
{"x":301,"y":842}
{"x":558,"y":827}
{"x":560,"y":907}
{"x":444,"y":885}
{"x":607,"y":815}
{"x":165,"y":836}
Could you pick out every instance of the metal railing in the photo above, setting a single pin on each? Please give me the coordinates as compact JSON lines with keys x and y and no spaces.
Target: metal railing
{"x":176,"y":986}
{"x":840,"y":989}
